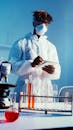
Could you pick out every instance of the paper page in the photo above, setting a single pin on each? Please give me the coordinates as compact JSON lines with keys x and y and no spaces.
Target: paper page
{"x":46,"y":63}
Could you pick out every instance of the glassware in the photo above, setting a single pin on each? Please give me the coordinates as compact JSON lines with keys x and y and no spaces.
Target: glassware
{"x":29,"y":91}
{"x":12,"y":114}
{"x":55,"y":92}
{"x":66,"y":99}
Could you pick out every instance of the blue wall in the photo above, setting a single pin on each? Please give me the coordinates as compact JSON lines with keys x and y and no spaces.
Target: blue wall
{"x":16,"y":21}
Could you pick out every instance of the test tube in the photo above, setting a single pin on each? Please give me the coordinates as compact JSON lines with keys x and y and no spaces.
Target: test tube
{"x":55,"y":92}
{"x":29,"y":93}
{"x":20,"y":101}
{"x":66,"y":99}
{"x":33,"y":101}
{"x":14,"y":99}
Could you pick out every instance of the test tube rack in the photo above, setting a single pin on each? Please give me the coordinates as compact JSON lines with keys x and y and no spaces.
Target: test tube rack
{"x":50,"y":107}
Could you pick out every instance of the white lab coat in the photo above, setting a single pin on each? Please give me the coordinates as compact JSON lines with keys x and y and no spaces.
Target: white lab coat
{"x":23,"y":52}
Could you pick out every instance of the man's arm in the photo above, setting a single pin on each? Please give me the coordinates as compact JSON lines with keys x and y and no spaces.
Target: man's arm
{"x":19,"y":65}
{"x":53,"y":71}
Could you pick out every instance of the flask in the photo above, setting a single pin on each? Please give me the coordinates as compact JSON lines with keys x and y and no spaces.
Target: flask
{"x":12,"y":114}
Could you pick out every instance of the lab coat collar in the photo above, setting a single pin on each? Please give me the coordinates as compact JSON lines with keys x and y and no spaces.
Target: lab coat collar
{"x":35,"y":37}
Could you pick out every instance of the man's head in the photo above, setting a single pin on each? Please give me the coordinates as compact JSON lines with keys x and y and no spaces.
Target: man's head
{"x":41,"y":19}
{"x":41,"y":16}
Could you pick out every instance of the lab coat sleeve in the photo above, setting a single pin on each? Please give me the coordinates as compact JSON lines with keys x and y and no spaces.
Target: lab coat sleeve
{"x":19,"y":65}
{"x":53,"y":56}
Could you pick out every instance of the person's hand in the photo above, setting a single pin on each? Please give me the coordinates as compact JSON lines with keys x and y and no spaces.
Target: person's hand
{"x":38,"y":60}
{"x":49,"y":69}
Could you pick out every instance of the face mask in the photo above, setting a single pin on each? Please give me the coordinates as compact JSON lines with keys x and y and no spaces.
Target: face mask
{"x":41,"y":29}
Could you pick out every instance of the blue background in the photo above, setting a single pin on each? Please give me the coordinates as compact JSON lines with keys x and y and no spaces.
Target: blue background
{"x":16,"y":21}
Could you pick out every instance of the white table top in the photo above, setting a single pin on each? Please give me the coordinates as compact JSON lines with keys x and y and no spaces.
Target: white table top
{"x":39,"y":120}
{"x":33,"y":121}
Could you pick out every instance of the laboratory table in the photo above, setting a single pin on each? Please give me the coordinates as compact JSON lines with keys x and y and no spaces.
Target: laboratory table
{"x":33,"y":121}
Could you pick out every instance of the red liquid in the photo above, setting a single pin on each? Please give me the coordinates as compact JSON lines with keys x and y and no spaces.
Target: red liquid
{"x":11,"y":115}
{"x":3,"y":121}
{"x":33,"y":101}
{"x":29,"y":93}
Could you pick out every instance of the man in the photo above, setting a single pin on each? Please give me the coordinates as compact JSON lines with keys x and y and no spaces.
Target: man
{"x":27,"y":54}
